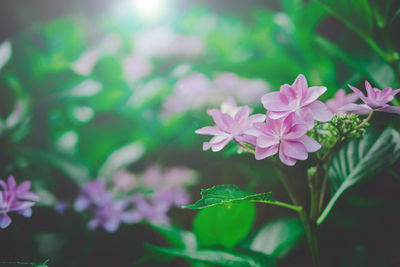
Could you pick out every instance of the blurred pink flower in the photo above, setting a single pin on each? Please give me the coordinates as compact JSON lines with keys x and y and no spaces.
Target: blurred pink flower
{"x":162,"y":41}
{"x":340,"y":100}
{"x":190,"y":92}
{"x":136,"y":67}
{"x":124,"y":181}
{"x":300,"y":100}
{"x":92,"y":193}
{"x":15,"y":198}
{"x":283,"y":135}
{"x":247,"y":91}
{"x":228,"y":128}
{"x":376,"y":100}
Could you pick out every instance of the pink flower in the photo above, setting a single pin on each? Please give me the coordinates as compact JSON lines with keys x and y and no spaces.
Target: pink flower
{"x":376,"y":100}
{"x":15,"y":198}
{"x":229,"y":127}
{"x":340,"y":100}
{"x":300,"y":100}
{"x":283,"y":135}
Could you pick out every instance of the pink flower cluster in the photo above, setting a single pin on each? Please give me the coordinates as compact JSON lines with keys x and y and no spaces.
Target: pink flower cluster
{"x":291,"y":113}
{"x":15,"y":198}
{"x":146,"y":197}
{"x":197,"y":91}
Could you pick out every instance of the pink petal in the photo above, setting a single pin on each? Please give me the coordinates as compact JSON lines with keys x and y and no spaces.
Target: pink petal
{"x":309,"y":143}
{"x":313,"y":93}
{"x":265,"y":141}
{"x":304,"y":116}
{"x":272,"y":101}
{"x":371,"y":92}
{"x":206,"y":146}
{"x":295,"y":150}
{"x":320,"y":111}
{"x":278,"y":115}
{"x":29,"y":196}
{"x":5,"y":220}
{"x":360,"y":94}
{"x":242,"y":114}
{"x":209,"y":130}
{"x":3,"y":184}
{"x":262,"y":153}
{"x":223,"y":121}
{"x":300,"y":85}
{"x":221,"y":145}
{"x":286,"y":160}
{"x":391,"y":109}
{"x":23,"y":187}
{"x":257,"y":118}
{"x":296,"y":131}
{"x":356,"y":108}
{"x":11,"y":182}
{"x":290,"y":95}
{"x":26,"y":212}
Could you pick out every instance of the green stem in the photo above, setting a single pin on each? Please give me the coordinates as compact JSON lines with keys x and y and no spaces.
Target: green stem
{"x":281,"y":204}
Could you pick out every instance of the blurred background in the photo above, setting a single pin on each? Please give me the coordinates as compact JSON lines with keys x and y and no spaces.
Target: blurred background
{"x":114,"y":90}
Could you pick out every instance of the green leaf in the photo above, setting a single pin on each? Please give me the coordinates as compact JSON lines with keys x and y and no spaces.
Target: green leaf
{"x":356,"y":15}
{"x":77,"y":171}
{"x":278,"y":237}
{"x":224,"y":226}
{"x":121,"y":158}
{"x":226,"y":194}
{"x":218,"y":257}
{"x":176,"y":236}
{"x":359,"y":160}
{"x":5,"y":53}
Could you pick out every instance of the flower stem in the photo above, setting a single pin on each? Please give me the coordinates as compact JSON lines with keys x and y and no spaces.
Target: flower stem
{"x":248,"y":149}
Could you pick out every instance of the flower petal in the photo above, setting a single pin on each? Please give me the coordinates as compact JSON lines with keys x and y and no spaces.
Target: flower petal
{"x":309,"y":143}
{"x":272,"y":101}
{"x":219,"y":146}
{"x":223,"y":121}
{"x":391,"y":109}
{"x":313,"y":93}
{"x":262,"y":153}
{"x":320,"y":111}
{"x":360,"y":94}
{"x":286,"y":160}
{"x":295,"y":131}
{"x":264,"y":141}
{"x":209,"y":130}
{"x":26,"y":212}
{"x":5,"y":220}
{"x":242,"y":114}
{"x":356,"y":108}
{"x":293,"y":149}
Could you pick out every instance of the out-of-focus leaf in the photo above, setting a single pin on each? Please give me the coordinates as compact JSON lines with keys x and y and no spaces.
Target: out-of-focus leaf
{"x":84,"y":89}
{"x":176,"y":236}
{"x":75,"y":170}
{"x":278,"y":237}
{"x":226,"y":194}
{"x":224,"y":225}
{"x":356,"y":15}
{"x":359,"y":160}
{"x":5,"y":53}
{"x":121,"y":158}
{"x":218,"y":257}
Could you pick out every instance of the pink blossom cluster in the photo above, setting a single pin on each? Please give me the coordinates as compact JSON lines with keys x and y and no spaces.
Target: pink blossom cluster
{"x":15,"y":198}
{"x":197,"y":91}
{"x":163,"y":41}
{"x":135,"y":198}
{"x":291,"y":113}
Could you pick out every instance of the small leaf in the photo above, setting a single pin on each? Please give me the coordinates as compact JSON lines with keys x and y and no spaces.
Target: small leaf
{"x":121,"y":158}
{"x":176,"y":236}
{"x":359,"y":160}
{"x":5,"y":53}
{"x":226,"y":194}
{"x":218,"y":257}
{"x":224,"y":225}
{"x":278,"y":237}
